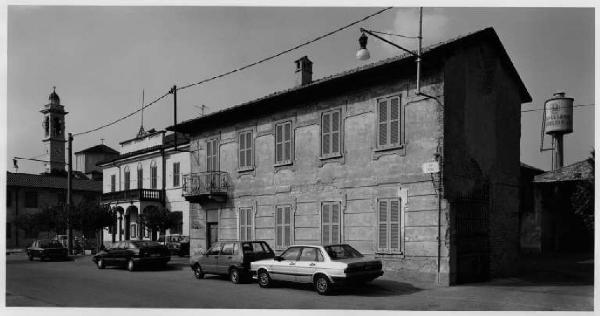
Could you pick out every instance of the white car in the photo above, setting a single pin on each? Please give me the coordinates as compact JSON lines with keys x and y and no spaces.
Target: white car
{"x":324,"y":266}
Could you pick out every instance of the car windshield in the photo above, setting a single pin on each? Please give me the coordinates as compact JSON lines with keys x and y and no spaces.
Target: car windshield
{"x":50,"y":244}
{"x":141,"y":244}
{"x":255,"y":247}
{"x":338,"y":252}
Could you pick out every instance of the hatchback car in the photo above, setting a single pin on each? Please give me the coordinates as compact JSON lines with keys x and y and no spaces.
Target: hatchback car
{"x":133,"y":254}
{"x":230,"y":258}
{"x":323,"y":266}
{"x":47,"y":249}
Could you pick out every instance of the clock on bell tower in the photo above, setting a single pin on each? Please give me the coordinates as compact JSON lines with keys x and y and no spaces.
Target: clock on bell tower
{"x":53,"y":123}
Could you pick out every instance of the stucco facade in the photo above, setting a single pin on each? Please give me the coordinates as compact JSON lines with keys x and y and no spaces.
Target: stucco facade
{"x":467,"y":119}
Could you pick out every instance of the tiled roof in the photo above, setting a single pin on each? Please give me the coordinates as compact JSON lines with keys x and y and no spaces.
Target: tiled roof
{"x":536,"y":169}
{"x":50,"y":181}
{"x":428,"y":53}
{"x":98,"y":149}
{"x":583,"y":170}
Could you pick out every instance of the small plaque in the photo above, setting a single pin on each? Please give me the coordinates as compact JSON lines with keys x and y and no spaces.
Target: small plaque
{"x":431,"y":167}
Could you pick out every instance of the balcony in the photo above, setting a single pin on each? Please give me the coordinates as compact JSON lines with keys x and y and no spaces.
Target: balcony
{"x":203,"y":186}
{"x":133,"y":195}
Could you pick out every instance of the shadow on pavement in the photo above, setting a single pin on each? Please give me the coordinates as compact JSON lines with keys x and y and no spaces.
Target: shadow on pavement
{"x":378,"y":288}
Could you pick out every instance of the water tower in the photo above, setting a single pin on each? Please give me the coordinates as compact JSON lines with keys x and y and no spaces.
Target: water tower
{"x":558,"y":121}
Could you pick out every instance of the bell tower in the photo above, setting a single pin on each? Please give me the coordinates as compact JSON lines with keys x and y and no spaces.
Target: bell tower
{"x":54,"y":134}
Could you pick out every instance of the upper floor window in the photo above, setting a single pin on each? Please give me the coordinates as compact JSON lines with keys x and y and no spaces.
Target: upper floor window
{"x":153,"y":175}
{"x":330,"y":223}
{"x":283,"y":226}
{"x":389,"y":122}
{"x":31,"y":199}
{"x":246,"y":223}
{"x":331,"y":125}
{"x":389,"y":229}
{"x":140,"y":176}
{"x":283,"y":143}
{"x":113,"y":183}
{"x":212,"y":154}
{"x":245,"y":150}
{"x":176,"y":174}
{"x":127,"y":178}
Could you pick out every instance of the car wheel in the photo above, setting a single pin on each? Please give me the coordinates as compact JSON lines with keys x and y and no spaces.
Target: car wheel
{"x":234,"y":276}
{"x":322,"y":285}
{"x":100,"y":264}
{"x":264,"y":280}
{"x":198,"y":272}
{"x":30,"y":257}
{"x":131,"y":265}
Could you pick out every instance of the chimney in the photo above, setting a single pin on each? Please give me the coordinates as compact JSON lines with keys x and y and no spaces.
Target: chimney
{"x":303,"y":71}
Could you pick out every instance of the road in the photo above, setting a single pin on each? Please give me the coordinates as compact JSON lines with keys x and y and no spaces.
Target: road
{"x":78,"y":283}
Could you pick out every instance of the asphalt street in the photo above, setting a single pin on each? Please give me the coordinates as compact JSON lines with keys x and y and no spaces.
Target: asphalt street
{"x":78,"y":283}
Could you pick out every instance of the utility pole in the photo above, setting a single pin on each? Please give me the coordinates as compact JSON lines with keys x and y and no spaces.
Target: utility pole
{"x":69,"y":194}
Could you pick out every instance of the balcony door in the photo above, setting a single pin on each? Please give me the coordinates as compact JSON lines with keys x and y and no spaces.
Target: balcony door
{"x":212,"y":154}
{"x":212,"y":233}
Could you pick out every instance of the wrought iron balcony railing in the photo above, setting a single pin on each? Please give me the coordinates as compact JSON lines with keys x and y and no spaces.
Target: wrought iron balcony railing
{"x":210,"y":184}
{"x":133,"y":195}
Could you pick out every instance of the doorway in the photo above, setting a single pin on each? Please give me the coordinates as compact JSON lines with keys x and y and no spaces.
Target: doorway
{"x":212,"y":233}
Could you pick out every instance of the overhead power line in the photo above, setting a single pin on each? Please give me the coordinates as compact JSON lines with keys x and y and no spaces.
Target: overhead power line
{"x":397,"y":35}
{"x":575,"y":106}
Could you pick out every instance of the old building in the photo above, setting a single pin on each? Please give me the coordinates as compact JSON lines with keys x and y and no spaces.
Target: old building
{"x":29,"y":193}
{"x":341,"y":159}
{"x":86,"y":160}
{"x":147,"y":174}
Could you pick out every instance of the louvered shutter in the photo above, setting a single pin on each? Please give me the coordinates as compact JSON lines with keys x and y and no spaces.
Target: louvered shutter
{"x":279,"y":143}
{"x":326,"y":224}
{"x":278,"y":227}
{"x":383,"y":123}
{"x":326,"y":133}
{"x":249,"y":149}
{"x":242,"y":150}
{"x":335,"y":132}
{"x":209,"y":166}
{"x":287,"y":226}
{"x":249,"y":224}
{"x":383,"y":225}
{"x":287,"y":138}
{"x":394,"y":121}
{"x":215,"y":155}
{"x":243,"y":227}
{"x":394,"y":225}
{"x":335,"y":223}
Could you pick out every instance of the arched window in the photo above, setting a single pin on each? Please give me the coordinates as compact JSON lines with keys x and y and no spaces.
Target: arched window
{"x":140,"y":176}
{"x":153,"y":175}
{"x":127,"y":178}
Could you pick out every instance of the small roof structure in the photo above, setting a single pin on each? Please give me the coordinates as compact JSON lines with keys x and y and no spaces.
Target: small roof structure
{"x":579,"y":171}
{"x":98,"y":149}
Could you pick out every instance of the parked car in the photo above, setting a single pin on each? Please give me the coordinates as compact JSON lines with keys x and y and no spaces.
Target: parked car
{"x":47,"y":249}
{"x":133,"y":254}
{"x":323,"y":266}
{"x":178,"y":245}
{"x":230,"y":258}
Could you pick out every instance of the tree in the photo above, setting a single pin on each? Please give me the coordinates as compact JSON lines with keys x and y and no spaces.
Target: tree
{"x":158,"y":219}
{"x":582,"y":199}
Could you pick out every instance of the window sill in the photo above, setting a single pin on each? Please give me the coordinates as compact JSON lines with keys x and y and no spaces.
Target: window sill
{"x":389,"y":148}
{"x":386,"y":254}
{"x":282,"y":164}
{"x":332,"y":156}
{"x":245,"y":169}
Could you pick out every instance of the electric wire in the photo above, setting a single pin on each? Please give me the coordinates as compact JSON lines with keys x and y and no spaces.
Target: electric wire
{"x":392,"y":34}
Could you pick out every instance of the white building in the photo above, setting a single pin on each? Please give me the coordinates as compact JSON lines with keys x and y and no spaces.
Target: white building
{"x":147,"y":174}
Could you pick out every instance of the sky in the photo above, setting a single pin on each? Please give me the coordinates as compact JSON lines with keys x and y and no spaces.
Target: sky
{"x":100,"y":58}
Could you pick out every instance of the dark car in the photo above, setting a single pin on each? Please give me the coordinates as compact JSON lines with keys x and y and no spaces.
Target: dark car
{"x":47,"y":249}
{"x":178,"y":245}
{"x":230,"y":258}
{"x":133,"y":254}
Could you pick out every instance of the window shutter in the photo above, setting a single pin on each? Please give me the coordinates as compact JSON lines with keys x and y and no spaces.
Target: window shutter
{"x":383,"y":221}
{"x":249,"y":149}
{"x":287,"y":230}
{"x":209,"y":156}
{"x":242,"y":150}
{"x":383,"y":123}
{"x":395,"y":121}
{"x":335,"y":132}
{"x":279,"y":143}
{"x":326,"y":223}
{"x":278,"y":227}
{"x":326,"y":135}
{"x":335,"y":223}
{"x":288,"y":141}
{"x":249,"y":224}
{"x":243,"y":227}
{"x":394,"y":225}
{"x":214,"y":156}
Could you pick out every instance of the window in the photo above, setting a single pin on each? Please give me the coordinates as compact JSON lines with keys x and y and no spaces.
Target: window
{"x":140,"y":176}
{"x":246,"y":223}
{"x":283,"y":226}
{"x":31,"y":199}
{"x":389,"y":122}
{"x":214,"y":250}
{"x":291,"y":254}
{"x":212,"y":154}
{"x":283,"y":143}
{"x":245,"y":150}
{"x":330,"y":223}
{"x":227,"y":249}
{"x":8,"y":198}
{"x":309,"y":254}
{"x":176,"y":174}
{"x":331,"y":133}
{"x":153,"y":175}
{"x":126,"y":175}
{"x":133,"y":230}
{"x":389,"y":220}
{"x":113,"y":183}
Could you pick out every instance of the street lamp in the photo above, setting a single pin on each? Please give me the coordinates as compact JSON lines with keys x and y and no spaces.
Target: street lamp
{"x":363,"y":52}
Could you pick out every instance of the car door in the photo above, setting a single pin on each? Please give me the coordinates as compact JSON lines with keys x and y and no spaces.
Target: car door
{"x":285,"y":270}
{"x":224,"y":260}
{"x":209,"y":264}
{"x":306,"y":265}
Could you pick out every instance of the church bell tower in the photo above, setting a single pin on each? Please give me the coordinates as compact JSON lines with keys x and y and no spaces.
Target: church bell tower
{"x":54,"y":134}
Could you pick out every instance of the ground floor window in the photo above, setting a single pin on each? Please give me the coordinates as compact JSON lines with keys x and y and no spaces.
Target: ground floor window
{"x":389,"y":225}
{"x":330,"y":223}
{"x":133,"y":230}
{"x":246,"y":223}
{"x":283,"y":226}
{"x":178,"y":225}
